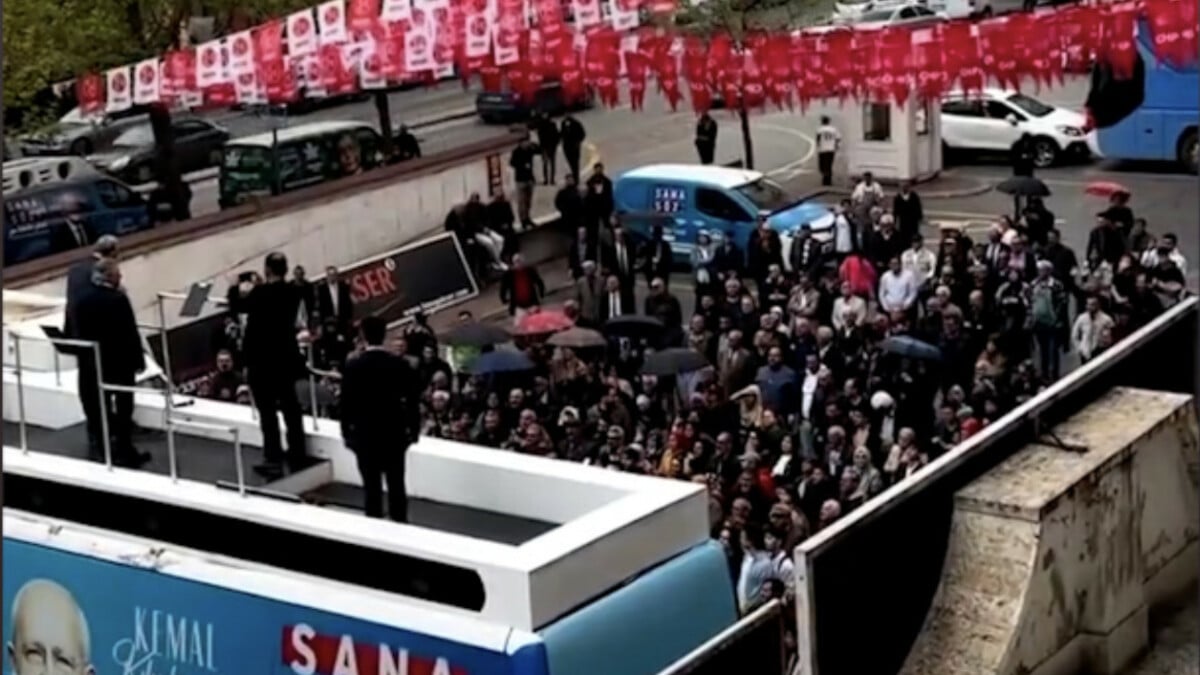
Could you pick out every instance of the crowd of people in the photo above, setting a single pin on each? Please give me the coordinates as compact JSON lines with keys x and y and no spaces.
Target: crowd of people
{"x":830,"y":371}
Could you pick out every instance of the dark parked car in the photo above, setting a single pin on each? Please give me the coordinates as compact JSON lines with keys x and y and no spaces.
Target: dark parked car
{"x":75,"y":134}
{"x":198,"y":145}
{"x":506,"y":107}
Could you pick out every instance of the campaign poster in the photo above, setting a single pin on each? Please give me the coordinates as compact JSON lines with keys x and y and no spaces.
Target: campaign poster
{"x":73,"y":613}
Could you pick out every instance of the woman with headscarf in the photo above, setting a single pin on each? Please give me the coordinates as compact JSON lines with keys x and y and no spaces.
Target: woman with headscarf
{"x":750,"y":407}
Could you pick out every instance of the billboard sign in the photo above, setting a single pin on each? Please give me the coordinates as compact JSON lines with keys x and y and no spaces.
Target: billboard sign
{"x":427,"y":276}
{"x":76,"y":613}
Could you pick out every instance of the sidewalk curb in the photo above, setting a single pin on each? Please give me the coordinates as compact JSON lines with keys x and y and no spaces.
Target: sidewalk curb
{"x":434,"y":120}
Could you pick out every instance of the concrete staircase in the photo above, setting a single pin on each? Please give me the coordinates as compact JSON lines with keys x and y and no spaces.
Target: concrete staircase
{"x":1057,"y":555}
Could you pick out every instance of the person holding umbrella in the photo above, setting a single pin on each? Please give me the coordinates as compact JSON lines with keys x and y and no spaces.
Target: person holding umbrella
{"x":1022,"y":156}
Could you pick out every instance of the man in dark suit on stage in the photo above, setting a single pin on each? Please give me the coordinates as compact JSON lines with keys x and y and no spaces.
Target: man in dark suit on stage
{"x":103,"y":314}
{"x":334,"y":301}
{"x":273,"y":359}
{"x":79,"y":277}
{"x":381,"y":418}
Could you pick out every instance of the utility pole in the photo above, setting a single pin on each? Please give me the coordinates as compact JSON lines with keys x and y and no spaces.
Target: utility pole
{"x":384,"y":108}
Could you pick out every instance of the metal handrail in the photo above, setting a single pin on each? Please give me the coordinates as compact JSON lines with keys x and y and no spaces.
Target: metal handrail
{"x":22,"y":424}
{"x":237,"y":445}
{"x":171,"y":421}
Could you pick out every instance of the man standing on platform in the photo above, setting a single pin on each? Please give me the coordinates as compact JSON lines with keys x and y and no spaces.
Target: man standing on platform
{"x":104,"y":315}
{"x":79,"y":284}
{"x":273,"y":360}
{"x":381,"y":418}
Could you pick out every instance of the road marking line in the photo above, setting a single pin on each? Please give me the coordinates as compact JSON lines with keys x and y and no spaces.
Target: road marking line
{"x":792,"y":168}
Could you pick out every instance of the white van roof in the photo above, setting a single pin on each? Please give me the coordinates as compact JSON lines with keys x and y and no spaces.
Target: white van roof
{"x":29,"y":172}
{"x":265,"y":140}
{"x":712,"y":176}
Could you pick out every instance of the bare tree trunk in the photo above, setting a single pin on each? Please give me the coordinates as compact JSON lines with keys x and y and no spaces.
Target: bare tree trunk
{"x":747,"y":142}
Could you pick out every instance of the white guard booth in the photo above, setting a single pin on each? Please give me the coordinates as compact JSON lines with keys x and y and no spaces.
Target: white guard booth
{"x":895,"y":143}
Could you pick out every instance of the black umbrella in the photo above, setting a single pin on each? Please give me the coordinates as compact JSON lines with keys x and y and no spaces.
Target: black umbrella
{"x":475,"y":334}
{"x":1023,"y":186}
{"x":673,"y":361}
{"x":500,"y":361}
{"x":577,"y":338}
{"x":634,"y":326}
{"x":903,"y":345}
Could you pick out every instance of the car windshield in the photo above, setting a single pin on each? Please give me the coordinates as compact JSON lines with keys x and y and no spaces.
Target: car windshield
{"x":878,"y":15}
{"x":766,"y":195}
{"x":1030,"y":105}
{"x":135,"y":138}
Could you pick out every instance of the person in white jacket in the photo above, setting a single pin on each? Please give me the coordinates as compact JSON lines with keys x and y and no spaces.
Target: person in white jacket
{"x":897,"y":288}
{"x":1089,"y":325}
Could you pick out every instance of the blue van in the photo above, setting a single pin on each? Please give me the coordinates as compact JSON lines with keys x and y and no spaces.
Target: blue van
{"x":60,"y":215}
{"x":690,"y":199}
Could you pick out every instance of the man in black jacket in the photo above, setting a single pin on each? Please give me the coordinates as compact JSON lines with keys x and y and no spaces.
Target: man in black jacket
{"x":381,"y":418}
{"x":548,"y":138}
{"x":273,"y":360}
{"x":569,"y":204}
{"x":909,"y":212}
{"x":706,"y":138}
{"x":79,"y":277}
{"x":407,"y":146}
{"x":104,"y":315}
{"x":598,"y":200}
{"x":521,"y":163}
{"x":572,"y":135}
{"x":334,"y":301}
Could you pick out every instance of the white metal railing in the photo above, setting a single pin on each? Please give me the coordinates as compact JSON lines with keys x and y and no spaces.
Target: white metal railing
{"x":171,"y":421}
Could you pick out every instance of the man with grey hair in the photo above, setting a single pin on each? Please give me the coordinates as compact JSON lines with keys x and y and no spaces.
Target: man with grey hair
{"x":105,"y":316}
{"x":79,"y":276}
{"x":79,"y":283}
{"x":49,"y":631}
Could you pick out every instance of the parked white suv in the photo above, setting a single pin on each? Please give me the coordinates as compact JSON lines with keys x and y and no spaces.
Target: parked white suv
{"x":996,"y":119}
{"x":849,"y":10}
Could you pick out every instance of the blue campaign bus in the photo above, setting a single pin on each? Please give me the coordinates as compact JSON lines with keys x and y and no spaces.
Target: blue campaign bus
{"x":1150,"y":116}
{"x":94,"y":601}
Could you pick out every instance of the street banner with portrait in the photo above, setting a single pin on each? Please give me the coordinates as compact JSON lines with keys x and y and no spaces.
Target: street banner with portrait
{"x":75,"y":613}
{"x":427,"y":276}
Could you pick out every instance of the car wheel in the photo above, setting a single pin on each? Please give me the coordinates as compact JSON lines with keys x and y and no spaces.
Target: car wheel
{"x":81,"y":147}
{"x":1045,"y":152}
{"x":986,"y":13}
{"x":143,"y":174}
{"x":947,"y":154}
{"x":1189,"y":151}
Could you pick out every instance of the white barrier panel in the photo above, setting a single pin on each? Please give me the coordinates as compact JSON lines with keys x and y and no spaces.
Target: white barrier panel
{"x":611,"y":526}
